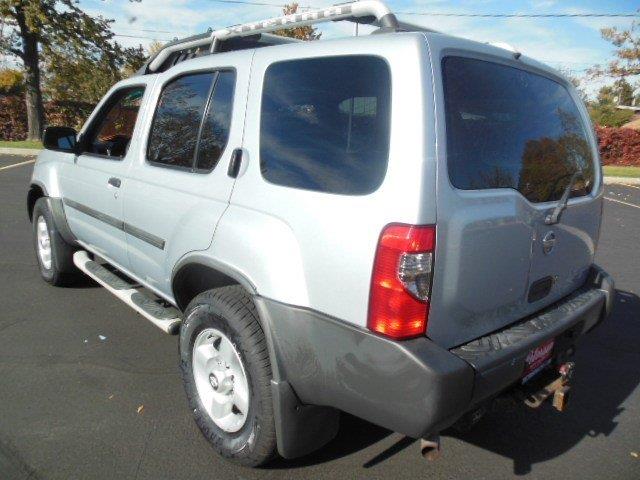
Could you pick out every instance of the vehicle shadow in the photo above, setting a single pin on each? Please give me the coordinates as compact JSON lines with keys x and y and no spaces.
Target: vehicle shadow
{"x":605,"y":376}
{"x":82,"y":281}
{"x":354,"y":435}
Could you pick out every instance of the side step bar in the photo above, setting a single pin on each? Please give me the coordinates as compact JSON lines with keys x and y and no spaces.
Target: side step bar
{"x":166,"y":318}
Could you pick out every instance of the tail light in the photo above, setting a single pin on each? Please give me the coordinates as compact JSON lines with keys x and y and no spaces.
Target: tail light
{"x":401,"y":281}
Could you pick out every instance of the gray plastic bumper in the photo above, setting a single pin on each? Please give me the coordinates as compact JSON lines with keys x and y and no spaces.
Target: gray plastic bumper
{"x":414,"y":387}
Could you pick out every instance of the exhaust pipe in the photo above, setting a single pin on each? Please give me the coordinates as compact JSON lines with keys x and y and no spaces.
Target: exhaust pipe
{"x":430,"y":448}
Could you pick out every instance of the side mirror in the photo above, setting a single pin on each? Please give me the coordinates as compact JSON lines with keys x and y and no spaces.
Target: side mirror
{"x":62,"y":139}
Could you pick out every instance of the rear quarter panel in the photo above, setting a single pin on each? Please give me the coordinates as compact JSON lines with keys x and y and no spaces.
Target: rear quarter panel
{"x":313,"y":249}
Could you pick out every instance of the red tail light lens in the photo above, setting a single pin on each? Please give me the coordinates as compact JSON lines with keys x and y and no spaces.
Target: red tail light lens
{"x":401,"y":281}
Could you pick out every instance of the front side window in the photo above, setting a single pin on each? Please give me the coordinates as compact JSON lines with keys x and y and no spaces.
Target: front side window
{"x":324,"y":124}
{"x":509,"y":128}
{"x":112,"y":130}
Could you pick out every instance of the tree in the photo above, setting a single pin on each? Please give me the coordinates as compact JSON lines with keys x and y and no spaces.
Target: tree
{"x":154,"y":47}
{"x":51,"y":29}
{"x":302,"y":33}
{"x":623,"y":92}
{"x":86,"y":78}
{"x":606,"y":96}
{"x":627,"y":54}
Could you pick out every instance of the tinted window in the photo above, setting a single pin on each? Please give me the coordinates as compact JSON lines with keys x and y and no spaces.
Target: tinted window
{"x":176,"y":124}
{"x":507,"y":128}
{"x":112,"y":130}
{"x":215,"y":131}
{"x":325,"y":124}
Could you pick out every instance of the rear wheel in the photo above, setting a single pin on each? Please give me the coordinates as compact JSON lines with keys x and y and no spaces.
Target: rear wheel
{"x":227,"y":374}
{"x":55,"y":256}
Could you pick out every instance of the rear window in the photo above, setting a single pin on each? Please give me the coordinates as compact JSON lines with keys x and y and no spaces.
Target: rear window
{"x":324,"y":124}
{"x":508,"y":128}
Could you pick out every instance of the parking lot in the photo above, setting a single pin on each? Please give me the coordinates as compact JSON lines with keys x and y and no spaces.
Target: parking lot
{"x":90,"y":390}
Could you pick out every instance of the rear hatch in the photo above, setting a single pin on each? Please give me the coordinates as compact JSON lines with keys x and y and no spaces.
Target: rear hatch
{"x":512,"y":138}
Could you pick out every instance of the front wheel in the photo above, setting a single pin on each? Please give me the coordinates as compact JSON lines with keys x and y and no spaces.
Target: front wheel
{"x":55,"y":256}
{"x":226,"y":373}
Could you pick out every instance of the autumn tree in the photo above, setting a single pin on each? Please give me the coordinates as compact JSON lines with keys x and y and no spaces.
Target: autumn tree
{"x":61,"y":32}
{"x":626,"y":61}
{"x":302,"y":33}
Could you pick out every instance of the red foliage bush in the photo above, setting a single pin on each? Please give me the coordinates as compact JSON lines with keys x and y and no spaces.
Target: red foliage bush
{"x":13,"y":118}
{"x":70,"y":114}
{"x":13,"y":115}
{"x":619,"y":146}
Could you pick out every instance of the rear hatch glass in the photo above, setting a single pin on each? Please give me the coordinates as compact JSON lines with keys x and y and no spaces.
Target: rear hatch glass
{"x":515,"y":140}
{"x":508,"y":128}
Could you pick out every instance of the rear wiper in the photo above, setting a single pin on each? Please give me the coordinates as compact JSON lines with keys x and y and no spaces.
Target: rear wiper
{"x":553,"y":217}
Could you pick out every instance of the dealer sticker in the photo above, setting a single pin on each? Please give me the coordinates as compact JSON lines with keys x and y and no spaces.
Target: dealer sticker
{"x":537,"y":359}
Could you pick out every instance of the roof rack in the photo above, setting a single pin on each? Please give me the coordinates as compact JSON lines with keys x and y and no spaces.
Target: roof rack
{"x":255,"y":34}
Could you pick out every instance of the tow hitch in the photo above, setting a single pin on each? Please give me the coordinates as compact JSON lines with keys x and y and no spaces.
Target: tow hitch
{"x":558,"y":386}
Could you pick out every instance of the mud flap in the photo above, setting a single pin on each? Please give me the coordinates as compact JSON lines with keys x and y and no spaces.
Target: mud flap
{"x":300,"y":429}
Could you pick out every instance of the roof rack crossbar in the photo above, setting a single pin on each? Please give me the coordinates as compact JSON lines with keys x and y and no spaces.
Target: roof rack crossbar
{"x":345,"y":11}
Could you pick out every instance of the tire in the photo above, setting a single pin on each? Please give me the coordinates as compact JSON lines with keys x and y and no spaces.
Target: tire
{"x":225,"y":315}
{"x":58,"y":268}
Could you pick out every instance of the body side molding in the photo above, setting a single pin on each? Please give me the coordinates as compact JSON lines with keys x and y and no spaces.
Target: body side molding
{"x":132,"y":230}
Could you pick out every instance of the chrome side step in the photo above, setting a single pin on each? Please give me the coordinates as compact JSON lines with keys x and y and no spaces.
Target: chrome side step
{"x":145,"y":303}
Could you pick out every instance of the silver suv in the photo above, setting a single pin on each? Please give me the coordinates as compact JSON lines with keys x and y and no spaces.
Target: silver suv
{"x":400,"y":226}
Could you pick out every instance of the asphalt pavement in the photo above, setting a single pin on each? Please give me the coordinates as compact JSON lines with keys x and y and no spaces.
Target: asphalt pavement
{"x":90,"y":390}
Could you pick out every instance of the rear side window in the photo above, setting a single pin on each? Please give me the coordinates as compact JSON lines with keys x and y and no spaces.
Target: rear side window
{"x":215,"y":129}
{"x":177,"y":120}
{"x":324,"y":124}
{"x":508,"y":128}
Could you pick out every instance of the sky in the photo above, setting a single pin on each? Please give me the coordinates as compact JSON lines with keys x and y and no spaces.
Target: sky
{"x":570,"y":43}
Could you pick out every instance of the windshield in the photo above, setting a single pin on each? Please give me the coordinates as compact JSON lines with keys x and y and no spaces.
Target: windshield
{"x":508,"y":128}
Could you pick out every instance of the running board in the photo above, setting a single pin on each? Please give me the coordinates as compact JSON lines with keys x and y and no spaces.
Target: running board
{"x":133,"y":294}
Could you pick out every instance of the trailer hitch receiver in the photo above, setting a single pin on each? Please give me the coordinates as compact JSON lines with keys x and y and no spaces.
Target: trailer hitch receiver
{"x":559,"y":387}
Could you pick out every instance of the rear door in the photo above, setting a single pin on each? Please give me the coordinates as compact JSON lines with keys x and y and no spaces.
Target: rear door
{"x":178,"y":187}
{"x":512,"y":137}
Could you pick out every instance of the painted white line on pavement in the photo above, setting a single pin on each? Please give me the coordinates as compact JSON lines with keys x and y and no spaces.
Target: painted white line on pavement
{"x":18,"y":164}
{"x":627,"y":185}
{"x":620,"y":201}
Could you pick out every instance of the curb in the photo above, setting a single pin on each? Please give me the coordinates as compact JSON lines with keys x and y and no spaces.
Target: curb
{"x":24,"y":152}
{"x":621,"y":181}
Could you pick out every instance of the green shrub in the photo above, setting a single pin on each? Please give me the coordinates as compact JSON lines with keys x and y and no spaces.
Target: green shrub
{"x":609,"y":116}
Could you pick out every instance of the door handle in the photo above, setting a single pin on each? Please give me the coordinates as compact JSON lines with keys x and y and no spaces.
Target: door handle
{"x":115,"y":182}
{"x":234,"y":163}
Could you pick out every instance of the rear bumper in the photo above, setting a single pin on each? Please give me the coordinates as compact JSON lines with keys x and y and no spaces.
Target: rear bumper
{"x":498,"y":359}
{"x":413,"y":387}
